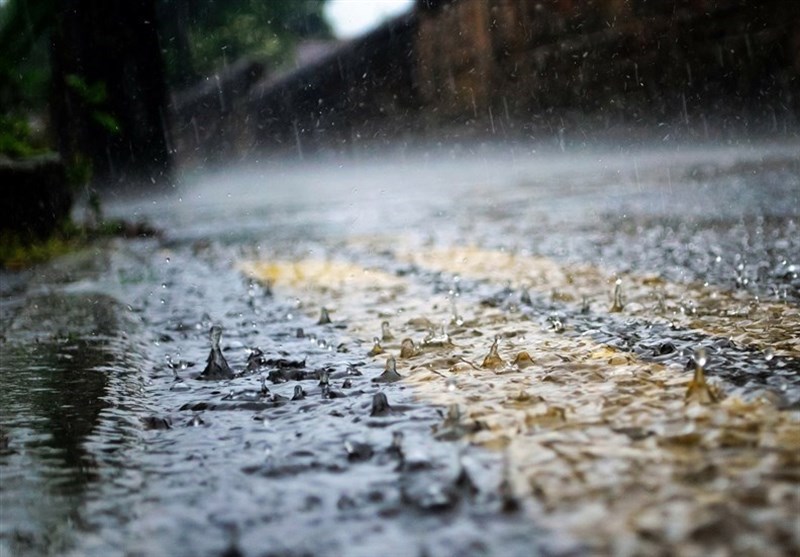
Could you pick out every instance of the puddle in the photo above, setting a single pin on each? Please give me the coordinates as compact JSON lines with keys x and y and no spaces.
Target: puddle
{"x":520,"y":414}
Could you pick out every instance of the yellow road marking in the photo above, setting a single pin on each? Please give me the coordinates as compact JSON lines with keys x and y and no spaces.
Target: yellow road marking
{"x":602,"y":444}
{"x":734,"y":315}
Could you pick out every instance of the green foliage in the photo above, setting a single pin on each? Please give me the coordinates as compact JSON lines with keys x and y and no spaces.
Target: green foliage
{"x":15,"y":138}
{"x":24,"y":56}
{"x":19,"y":253}
{"x":216,"y":33}
{"x":94,"y":95}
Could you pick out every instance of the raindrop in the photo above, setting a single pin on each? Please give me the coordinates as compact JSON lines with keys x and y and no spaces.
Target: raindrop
{"x":454,"y":316}
{"x":299,"y":393}
{"x":196,"y":421}
{"x":556,"y":324}
{"x":358,"y":451}
{"x":386,"y":333}
{"x":389,"y":374}
{"x":324,"y":317}
{"x":380,"y":405}
{"x":216,"y":365}
{"x":523,"y":360}
{"x":769,"y":354}
{"x":453,"y":415}
{"x":618,"y":303}
{"x":493,"y":359}
{"x":264,"y":390}
{"x":442,"y":339}
{"x":407,"y":348}
{"x":376,"y":347}
{"x":255,"y":359}
{"x":700,"y":357}
{"x":396,"y":447}
{"x":452,"y":384}
{"x":699,"y":390}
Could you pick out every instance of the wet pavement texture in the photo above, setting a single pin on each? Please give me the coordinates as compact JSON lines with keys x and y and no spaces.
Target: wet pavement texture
{"x":459,"y":353}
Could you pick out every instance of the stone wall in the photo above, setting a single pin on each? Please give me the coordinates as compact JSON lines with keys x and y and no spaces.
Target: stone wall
{"x":529,"y":69}
{"x":695,"y":66}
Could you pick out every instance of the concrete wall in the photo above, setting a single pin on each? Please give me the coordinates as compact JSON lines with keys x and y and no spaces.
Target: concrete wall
{"x":521,"y":69}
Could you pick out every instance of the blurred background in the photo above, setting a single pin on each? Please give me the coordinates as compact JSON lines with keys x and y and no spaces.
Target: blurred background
{"x":127,"y":91}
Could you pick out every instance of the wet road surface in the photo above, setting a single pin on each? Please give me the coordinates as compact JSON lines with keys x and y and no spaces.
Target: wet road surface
{"x":545,"y":312}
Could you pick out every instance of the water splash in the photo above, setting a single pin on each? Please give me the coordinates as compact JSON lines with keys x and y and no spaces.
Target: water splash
{"x":699,"y":390}
{"x":618,"y":303}
{"x":216,"y":365}
{"x":324,"y":317}
{"x":408,"y":349}
{"x":389,"y":374}
{"x":386,"y":332}
{"x":523,"y":360}
{"x":493,"y":359}
{"x":376,"y":347}
{"x":380,"y":405}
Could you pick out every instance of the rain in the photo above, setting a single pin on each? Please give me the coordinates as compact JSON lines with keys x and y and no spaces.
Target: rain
{"x":414,"y":278}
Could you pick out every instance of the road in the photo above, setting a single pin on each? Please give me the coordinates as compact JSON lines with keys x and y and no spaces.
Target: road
{"x":557,"y":307}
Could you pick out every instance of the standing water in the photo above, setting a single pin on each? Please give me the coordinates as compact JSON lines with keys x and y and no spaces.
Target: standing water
{"x":491,"y":354}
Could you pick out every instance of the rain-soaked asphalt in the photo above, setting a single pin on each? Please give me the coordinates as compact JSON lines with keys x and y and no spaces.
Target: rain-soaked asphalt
{"x":545,"y":314}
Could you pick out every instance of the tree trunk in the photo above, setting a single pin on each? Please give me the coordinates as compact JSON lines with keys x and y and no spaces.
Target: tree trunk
{"x":109,"y":94}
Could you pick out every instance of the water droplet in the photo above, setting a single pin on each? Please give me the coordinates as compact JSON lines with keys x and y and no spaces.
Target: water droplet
{"x":556,"y":323}
{"x":389,"y":374}
{"x":215,"y":335}
{"x":523,"y":360}
{"x":397,"y":442}
{"x":407,"y":348}
{"x":769,"y":354}
{"x":299,"y":393}
{"x":699,"y":390}
{"x":451,"y":384}
{"x":618,"y":303}
{"x":380,"y":405}
{"x":700,"y":357}
{"x":453,"y":414}
{"x":324,"y":317}
{"x":386,"y":333}
{"x":216,"y":367}
{"x":493,"y":359}
{"x":376,"y":347}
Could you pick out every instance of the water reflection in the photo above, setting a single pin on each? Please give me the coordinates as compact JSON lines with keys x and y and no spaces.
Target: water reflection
{"x":55,"y":388}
